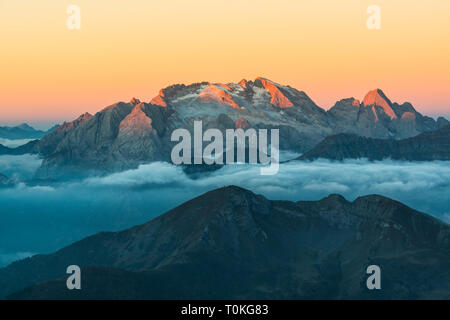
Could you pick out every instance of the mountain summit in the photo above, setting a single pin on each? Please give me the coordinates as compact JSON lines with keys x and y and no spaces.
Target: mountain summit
{"x":377,"y":98}
{"x":378,"y":117}
{"x":124,"y":135}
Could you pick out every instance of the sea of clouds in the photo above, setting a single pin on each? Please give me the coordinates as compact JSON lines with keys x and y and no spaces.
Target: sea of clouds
{"x":19,"y":167}
{"x":40,"y":219}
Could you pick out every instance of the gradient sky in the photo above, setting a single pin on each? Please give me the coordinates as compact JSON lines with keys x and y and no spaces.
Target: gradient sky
{"x":133,"y":48}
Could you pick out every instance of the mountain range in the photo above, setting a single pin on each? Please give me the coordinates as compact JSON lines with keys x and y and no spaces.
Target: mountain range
{"x":230,"y":243}
{"x":23,"y":131}
{"x":124,"y":135}
{"x":427,"y":146}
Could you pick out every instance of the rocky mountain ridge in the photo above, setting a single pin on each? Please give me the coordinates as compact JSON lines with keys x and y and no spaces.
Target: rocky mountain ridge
{"x":125,"y":135}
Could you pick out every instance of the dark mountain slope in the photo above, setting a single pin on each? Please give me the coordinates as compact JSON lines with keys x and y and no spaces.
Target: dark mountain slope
{"x":30,"y":147}
{"x":434,"y":145}
{"x":231,"y":243}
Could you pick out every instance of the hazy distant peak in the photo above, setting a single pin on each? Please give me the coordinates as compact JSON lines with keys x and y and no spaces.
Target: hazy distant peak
{"x":25,"y":126}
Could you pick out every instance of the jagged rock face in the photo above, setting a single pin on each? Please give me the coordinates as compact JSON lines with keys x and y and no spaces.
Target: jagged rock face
{"x":245,"y":246}
{"x":277,"y":98}
{"x":218,"y":94}
{"x":260,"y":102}
{"x":378,"y":117}
{"x":121,"y":136}
{"x":344,"y":114}
{"x":87,"y":145}
{"x":380,"y":104}
{"x":139,"y":136}
{"x":427,"y":146}
{"x":49,"y":143}
{"x":125,"y":135}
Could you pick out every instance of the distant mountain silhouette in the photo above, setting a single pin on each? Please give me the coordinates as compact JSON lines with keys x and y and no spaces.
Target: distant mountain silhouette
{"x":30,"y":147}
{"x":23,"y":131}
{"x":47,"y":145}
{"x":233,"y":244}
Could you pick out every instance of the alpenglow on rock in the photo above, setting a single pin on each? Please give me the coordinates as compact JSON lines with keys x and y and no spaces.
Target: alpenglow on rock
{"x":377,"y":117}
{"x":124,"y":135}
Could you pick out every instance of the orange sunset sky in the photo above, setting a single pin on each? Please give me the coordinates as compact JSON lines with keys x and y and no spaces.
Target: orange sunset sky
{"x":133,"y":48}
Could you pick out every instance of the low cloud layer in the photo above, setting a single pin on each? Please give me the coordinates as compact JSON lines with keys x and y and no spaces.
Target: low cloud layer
{"x":45,"y":218}
{"x":19,"y":167}
{"x":422,"y":185}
